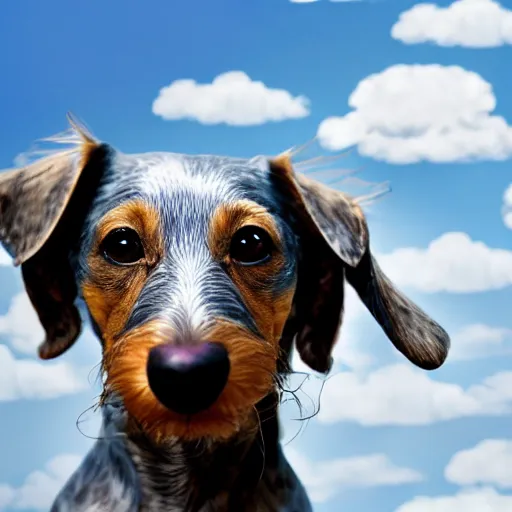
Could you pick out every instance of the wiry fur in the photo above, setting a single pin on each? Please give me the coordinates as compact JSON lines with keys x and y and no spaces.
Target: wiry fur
{"x":228,"y":458}
{"x":127,"y":473}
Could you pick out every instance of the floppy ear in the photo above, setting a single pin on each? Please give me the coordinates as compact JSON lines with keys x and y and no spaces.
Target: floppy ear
{"x":42,"y":207}
{"x":335,"y":247}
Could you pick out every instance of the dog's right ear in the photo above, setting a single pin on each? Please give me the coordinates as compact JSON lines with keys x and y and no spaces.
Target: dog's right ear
{"x":42,"y":208}
{"x":336,"y":246}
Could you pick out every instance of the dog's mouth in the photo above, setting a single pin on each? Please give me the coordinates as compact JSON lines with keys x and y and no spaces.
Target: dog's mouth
{"x":188,"y":379}
{"x":191,"y":389}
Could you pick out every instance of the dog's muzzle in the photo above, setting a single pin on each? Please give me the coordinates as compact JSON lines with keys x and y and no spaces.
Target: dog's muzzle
{"x":188,"y":379}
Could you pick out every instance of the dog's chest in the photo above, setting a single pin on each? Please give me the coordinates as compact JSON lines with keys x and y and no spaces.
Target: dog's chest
{"x":172,"y":486}
{"x":263,"y":499}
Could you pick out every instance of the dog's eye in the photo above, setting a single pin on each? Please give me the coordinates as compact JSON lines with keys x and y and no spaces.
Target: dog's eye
{"x":250,"y":245}
{"x":122,"y":246}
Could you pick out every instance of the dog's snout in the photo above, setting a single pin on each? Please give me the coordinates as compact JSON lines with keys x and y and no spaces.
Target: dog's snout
{"x":188,"y":379}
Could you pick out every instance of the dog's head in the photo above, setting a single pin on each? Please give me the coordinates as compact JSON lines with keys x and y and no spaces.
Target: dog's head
{"x":198,"y":272}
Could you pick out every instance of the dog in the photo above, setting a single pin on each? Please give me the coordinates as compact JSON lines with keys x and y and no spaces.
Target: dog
{"x":200,"y":275}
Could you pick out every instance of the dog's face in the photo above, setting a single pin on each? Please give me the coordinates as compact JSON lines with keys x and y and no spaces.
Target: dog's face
{"x":188,"y":268}
{"x":198,"y":273}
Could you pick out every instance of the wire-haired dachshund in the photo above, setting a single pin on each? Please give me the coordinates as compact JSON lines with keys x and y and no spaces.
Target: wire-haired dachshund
{"x":200,"y":274}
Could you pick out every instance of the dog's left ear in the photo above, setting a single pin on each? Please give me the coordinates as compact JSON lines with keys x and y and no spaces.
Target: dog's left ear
{"x":42,"y":208}
{"x":335,"y":246}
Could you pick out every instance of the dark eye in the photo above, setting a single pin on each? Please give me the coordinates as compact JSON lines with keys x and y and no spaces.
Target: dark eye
{"x":122,"y":246}
{"x":250,"y":245}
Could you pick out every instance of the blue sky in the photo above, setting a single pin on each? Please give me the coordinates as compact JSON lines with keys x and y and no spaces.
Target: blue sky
{"x":421,"y":93}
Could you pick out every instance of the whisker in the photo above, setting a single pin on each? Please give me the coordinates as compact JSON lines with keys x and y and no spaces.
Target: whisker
{"x":385,"y":188}
{"x":79,"y":421}
{"x":97,"y":366}
{"x":321,"y":159}
{"x":295,"y":150}
{"x":262,"y":448}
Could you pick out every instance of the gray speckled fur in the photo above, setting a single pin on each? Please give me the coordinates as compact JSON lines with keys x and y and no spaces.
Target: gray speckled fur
{"x":126,"y":472}
{"x":191,"y":287}
{"x":107,"y":478}
{"x":122,"y":473}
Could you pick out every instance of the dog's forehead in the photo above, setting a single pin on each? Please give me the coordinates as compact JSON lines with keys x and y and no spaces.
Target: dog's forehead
{"x":158,"y":176}
{"x":184,"y":190}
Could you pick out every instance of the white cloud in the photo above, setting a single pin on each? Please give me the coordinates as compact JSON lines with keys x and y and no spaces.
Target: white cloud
{"x":400,"y":394}
{"x":232,"y":98}
{"x":324,"y":479}
{"x":30,"y":379}
{"x":451,"y":263}
{"x":488,"y":463}
{"x":41,"y":487}
{"x":507,"y":207}
{"x":23,"y":330}
{"x":6,"y":495}
{"x":5,"y":259}
{"x":411,"y":113}
{"x":22,"y":325}
{"x":476,"y":341}
{"x":469,"y":23}
{"x":468,"y":500}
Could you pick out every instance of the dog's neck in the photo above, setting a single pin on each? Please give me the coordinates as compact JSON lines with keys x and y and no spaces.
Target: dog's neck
{"x":247,"y":472}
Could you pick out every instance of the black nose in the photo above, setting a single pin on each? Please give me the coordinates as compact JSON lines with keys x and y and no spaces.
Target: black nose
{"x":188,"y":379}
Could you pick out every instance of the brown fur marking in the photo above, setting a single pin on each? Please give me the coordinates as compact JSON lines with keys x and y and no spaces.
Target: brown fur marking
{"x":111,"y":291}
{"x":253,"y":365}
{"x":269,"y":310}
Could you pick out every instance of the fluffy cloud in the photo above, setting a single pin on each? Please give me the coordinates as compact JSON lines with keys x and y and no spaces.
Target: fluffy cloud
{"x":40,"y":487}
{"x":507,"y":207}
{"x":468,"y":500}
{"x":400,"y":394}
{"x":232,"y":98}
{"x":412,"y":113}
{"x":324,"y":479}
{"x":30,"y":379}
{"x":477,"y":341}
{"x":451,"y":263}
{"x":21,"y":325}
{"x":470,"y":23}
{"x":6,"y":495}
{"x":488,"y":463}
